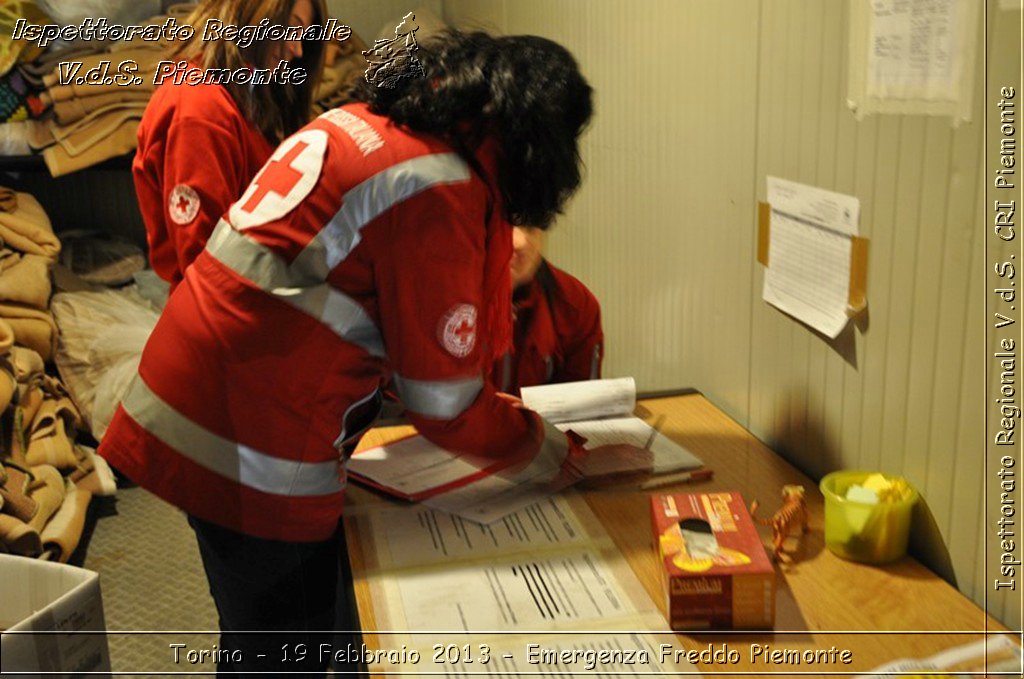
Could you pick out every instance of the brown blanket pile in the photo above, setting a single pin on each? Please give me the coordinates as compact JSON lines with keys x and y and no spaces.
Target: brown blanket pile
{"x":46,"y":479}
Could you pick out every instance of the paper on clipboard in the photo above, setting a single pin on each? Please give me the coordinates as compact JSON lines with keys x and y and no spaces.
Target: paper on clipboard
{"x":810,"y":253}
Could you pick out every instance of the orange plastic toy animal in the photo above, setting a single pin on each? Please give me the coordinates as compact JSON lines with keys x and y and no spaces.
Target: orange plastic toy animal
{"x":792,"y":512}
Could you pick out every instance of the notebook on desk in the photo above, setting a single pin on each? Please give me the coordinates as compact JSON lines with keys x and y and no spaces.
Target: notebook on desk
{"x":601,"y":411}
{"x":415,"y":469}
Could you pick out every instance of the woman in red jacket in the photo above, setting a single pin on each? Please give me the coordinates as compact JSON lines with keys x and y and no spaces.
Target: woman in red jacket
{"x":375,"y":242}
{"x":201,"y":144}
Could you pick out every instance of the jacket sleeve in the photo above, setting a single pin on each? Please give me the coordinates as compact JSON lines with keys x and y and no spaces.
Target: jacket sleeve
{"x":583,"y":348}
{"x":203,"y":175}
{"x":430,"y":287}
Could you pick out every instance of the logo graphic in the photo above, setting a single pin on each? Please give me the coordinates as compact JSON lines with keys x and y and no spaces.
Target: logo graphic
{"x":390,"y":60}
{"x":287,"y":178}
{"x":183,"y":204}
{"x":458,"y":330}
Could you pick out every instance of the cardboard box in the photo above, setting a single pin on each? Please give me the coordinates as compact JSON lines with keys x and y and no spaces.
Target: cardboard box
{"x":41,"y":596}
{"x":714,"y":567}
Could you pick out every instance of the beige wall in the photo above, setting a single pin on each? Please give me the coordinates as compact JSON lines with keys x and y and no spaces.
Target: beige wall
{"x":368,"y":17}
{"x":699,"y":100}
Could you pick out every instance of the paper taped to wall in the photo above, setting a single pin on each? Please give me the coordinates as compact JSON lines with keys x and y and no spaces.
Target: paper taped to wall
{"x":810,"y":253}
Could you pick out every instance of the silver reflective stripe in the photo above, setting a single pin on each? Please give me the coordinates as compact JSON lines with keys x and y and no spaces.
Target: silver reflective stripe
{"x":339,"y":312}
{"x":443,"y":400}
{"x":254,"y":262}
{"x":367,"y":201}
{"x":229,"y":459}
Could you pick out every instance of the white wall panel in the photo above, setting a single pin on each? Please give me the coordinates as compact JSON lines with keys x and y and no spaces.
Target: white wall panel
{"x":699,"y":100}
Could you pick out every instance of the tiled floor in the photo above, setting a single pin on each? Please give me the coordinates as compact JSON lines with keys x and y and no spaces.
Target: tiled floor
{"x":152,"y":580}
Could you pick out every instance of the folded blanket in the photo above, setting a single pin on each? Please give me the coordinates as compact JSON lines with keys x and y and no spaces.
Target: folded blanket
{"x":119,"y":142}
{"x":14,"y":499}
{"x":14,"y":138}
{"x":27,"y":363}
{"x":52,"y":427}
{"x":94,"y":474}
{"x":47,"y":489}
{"x":33,"y":328}
{"x":8,"y":382}
{"x":8,"y":199}
{"x":32,"y":497}
{"x":27,"y":229}
{"x":13,"y":50}
{"x":25,"y":279}
{"x":72,"y":110}
{"x":17,"y":537}
{"x":64,"y":529}
{"x":146,"y":57}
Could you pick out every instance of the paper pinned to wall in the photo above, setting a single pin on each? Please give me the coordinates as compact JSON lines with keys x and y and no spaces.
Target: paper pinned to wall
{"x":810,"y":253}
{"x":913,"y":50}
{"x":912,"y":57}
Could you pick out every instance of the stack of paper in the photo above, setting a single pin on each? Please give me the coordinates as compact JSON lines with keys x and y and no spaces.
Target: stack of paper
{"x":470,"y":487}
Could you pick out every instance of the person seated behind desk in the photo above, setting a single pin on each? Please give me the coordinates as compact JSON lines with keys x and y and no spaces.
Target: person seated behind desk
{"x":557,"y":335}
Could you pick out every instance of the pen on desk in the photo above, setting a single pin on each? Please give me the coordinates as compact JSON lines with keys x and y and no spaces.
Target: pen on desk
{"x":655,"y":430}
{"x":682,"y":477}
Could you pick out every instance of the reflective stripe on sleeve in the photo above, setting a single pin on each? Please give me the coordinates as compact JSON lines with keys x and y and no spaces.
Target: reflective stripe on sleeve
{"x":258,"y":264}
{"x":442,"y":399}
{"x":246,"y":466}
{"x":370,"y":199}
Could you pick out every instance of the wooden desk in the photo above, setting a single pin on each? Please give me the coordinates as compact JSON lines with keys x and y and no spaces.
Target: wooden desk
{"x":878,"y":613}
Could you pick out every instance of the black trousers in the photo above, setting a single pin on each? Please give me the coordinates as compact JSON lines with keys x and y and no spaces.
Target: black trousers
{"x":279,"y":602}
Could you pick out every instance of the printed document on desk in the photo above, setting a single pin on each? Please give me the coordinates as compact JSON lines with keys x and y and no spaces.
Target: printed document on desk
{"x":473,"y":488}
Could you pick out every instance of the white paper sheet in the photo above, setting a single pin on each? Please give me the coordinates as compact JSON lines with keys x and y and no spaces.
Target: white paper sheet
{"x":586,"y":400}
{"x":413,"y":465}
{"x":669,"y":456}
{"x":569,"y":591}
{"x":808,"y":273}
{"x":420,"y":536}
{"x":914,"y":50}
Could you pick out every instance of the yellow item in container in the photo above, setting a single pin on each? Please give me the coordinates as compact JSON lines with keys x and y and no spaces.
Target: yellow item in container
{"x":862,"y":531}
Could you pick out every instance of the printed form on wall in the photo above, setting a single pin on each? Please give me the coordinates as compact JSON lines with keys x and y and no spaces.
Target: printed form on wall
{"x":810,"y":254}
{"x":912,"y":56}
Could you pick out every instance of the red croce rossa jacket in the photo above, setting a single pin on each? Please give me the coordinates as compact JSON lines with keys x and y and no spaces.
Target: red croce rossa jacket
{"x":360,"y":249}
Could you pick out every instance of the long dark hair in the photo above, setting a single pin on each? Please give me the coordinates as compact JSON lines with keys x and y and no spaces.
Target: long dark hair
{"x":526,"y":90}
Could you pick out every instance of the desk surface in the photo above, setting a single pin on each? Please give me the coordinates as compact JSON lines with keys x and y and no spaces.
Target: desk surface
{"x":822,"y":600}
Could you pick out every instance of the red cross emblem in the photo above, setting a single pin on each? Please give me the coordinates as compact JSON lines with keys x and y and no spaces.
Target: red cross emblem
{"x":284,"y":182}
{"x":458,"y":330}
{"x":465,"y":330}
{"x":278,"y":177}
{"x":183,"y":204}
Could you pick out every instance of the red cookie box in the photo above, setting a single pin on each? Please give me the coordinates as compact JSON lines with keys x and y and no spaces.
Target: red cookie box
{"x":714,"y":567}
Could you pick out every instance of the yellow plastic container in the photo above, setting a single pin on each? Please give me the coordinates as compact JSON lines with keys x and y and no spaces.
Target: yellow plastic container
{"x":869,"y":533}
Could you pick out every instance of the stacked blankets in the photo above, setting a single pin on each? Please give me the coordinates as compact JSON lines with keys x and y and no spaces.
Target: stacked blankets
{"x":46,"y":479}
{"x":28,"y":250}
{"x":82,"y":115}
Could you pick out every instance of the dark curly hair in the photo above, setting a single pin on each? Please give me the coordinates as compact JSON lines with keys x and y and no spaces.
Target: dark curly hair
{"x":526,"y":90}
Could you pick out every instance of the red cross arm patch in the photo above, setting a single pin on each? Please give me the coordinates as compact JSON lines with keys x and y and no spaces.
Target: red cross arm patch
{"x":286,"y":179}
